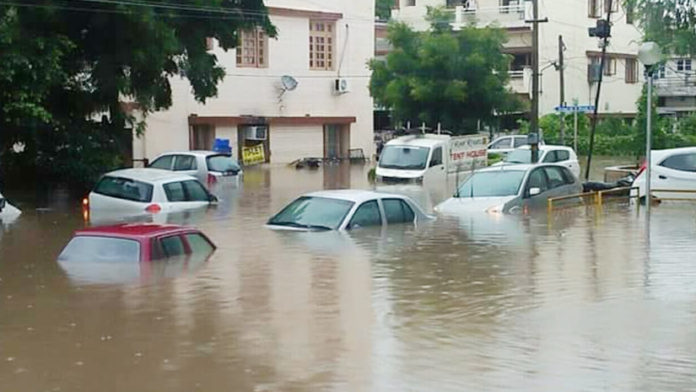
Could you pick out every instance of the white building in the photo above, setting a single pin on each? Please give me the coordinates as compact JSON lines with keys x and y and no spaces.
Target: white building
{"x":320,"y":44}
{"x":675,"y":84}
{"x":568,"y":18}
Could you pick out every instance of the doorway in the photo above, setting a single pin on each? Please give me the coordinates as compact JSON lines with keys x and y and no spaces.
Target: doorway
{"x":336,"y":141}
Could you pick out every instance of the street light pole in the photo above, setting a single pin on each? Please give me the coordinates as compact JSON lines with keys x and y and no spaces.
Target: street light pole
{"x":649,"y":54}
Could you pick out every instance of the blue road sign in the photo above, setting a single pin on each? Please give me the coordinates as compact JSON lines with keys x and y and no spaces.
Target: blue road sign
{"x":575,"y":108}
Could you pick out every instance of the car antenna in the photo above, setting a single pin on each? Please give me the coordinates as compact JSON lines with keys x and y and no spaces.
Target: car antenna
{"x":473,"y":167}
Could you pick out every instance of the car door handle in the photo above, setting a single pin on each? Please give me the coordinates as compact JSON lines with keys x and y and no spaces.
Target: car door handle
{"x":661,"y":177}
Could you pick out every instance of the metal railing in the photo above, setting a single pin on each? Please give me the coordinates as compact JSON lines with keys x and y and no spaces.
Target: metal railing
{"x":598,"y":198}
{"x":680,"y":191}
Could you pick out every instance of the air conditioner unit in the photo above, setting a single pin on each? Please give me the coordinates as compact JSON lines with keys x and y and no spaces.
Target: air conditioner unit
{"x":594,"y":72}
{"x":257,"y":132}
{"x":341,"y":86}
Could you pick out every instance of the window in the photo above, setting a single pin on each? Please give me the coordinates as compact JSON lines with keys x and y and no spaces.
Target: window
{"x":537,"y":180}
{"x":313,"y":211}
{"x":397,"y":211}
{"x":631,"y":71}
{"x":366,"y":215}
{"x":684,"y":65}
{"x":172,"y":246}
{"x":492,"y":184}
{"x":594,"y":9}
{"x":681,"y":162}
{"x":520,"y":141}
{"x":410,"y":3}
{"x":550,"y":157}
{"x":614,"y":5}
{"x":568,"y":176}
{"x":436,"y":159}
{"x":202,"y":137}
{"x":101,"y":249}
{"x":500,"y":143}
{"x":252,"y":51}
{"x":190,"y":190}
{"x":222,"y":164}
{"x":185,"y":162}
{"x":629,"y":13}
{"x":555,"y":176}
{"x":199,"y":244}
{"x":321,"y":45}
{"x":562,"y":155}
{"x":164,"y":162}
{"x":609,"y":66}
{"x":659,"y":72}
{"x":124,"y":188}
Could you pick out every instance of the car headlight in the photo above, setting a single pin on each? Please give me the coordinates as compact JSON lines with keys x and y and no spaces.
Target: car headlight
{"x":496,"y":209}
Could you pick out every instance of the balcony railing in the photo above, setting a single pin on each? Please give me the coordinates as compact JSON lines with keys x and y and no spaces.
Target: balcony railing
{"x":505,"y":15}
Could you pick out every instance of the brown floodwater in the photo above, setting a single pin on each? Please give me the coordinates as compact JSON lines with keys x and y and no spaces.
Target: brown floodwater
{"x":580,"y":300}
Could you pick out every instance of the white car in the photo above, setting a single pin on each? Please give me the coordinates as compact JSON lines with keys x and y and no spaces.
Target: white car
{"x":209,"y":167}
{"x":8,"y":212}
{"x":560,"y":155}
{"x":672,"y":169}
{"x":346,"y":210}
{"x":139,"y":191}
{"x":504,"y":144}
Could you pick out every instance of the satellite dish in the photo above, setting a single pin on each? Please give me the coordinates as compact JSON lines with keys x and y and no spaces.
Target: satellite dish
{"x":289,"y":83}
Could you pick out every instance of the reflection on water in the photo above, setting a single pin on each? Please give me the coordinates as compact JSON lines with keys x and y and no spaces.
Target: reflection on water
{"x":581,"y":300}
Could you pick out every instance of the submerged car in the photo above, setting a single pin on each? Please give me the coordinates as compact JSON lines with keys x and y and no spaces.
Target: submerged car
{"x":209,"y":167}
{"x":673,"y":170}
{"x":560,"y":155}
{"x":511,"y":189}
{"x":346,"y":210}
{"x":140,"y":191}
{"x":8,"y":212}
{"x":135,"y":243}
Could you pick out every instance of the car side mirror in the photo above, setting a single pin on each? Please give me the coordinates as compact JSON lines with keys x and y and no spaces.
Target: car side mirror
{"x":212,"y":198}
{"x":534,"y":191}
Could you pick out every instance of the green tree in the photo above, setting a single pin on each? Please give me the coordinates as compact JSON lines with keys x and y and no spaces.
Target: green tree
{"x":671,"y":23}
{"x":383,"y":9}
{"x":452,"y":77}
{"x":62,"y":63}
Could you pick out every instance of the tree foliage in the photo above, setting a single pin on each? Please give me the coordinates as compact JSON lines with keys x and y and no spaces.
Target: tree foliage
{"x":670,"y":23}
{"x":383,"y":9}
{"x":452,"y":77}
{"x":63,"y":63}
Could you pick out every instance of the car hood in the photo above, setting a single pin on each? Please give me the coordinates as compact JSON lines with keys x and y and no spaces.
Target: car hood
{"x":457,"y":205}
{"x":398,"y":173}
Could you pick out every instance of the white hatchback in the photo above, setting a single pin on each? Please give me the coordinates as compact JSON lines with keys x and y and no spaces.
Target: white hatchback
{"x":673,"y":170}
{"x":138,"y":191}
{"x":560,"y":155}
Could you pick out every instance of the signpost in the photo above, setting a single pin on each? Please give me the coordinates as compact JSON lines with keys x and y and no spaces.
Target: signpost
{"x":575,"y":108}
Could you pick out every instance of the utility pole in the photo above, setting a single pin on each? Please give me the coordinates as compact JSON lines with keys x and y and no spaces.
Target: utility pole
{"x":603,"y":30}
{"x":562,"y":100}
{"x":534,"y":120}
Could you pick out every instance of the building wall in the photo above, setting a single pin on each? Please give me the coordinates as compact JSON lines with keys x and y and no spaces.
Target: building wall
{"x":257,"y":91}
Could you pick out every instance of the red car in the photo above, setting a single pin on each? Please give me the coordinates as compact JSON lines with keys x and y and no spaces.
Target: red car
{"x":135,"y":243}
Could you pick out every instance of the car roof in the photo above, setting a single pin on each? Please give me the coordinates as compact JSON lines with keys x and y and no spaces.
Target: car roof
{"x":148,"y":174}
{"x":509,"y":167}
{"x":546,"y":147}
{"x":660,"y":154}
{"x":203,"y":153}
{"x":134,"y":230}
{"x":419,"y":141}
{"x":354,"y":195}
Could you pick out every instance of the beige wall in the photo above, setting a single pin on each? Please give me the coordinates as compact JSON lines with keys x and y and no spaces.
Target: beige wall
{"x":256,"y":91}
{"x":291,"y":143}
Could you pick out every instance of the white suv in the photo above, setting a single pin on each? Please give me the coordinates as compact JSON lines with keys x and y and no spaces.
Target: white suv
{"x":137,"y":191}
{"x":673,"y":169}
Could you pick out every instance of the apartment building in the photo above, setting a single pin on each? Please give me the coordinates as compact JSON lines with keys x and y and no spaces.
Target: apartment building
{"x":675,"y":85}
{"x":569,"y":19}
{"x":302,"y":94}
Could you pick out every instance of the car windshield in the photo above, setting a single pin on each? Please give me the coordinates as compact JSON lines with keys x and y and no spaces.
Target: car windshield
{"x":101,"y":250}
{"x":124,"y":188}
{"x":404,"y":157}
{"x":222,"y":164}
{"x":492,"y":184}
{"x":313,"y":213}
{"x":519,"y":156}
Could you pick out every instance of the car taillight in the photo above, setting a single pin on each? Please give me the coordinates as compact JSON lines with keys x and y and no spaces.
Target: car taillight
{"x":153,"y":208}
{"x":642,"y":168}
{"x":211,"y":179}
{"x":85,"y":202}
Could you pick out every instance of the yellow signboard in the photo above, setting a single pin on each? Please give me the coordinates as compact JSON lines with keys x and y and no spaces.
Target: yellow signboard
{"x":253,"y":155}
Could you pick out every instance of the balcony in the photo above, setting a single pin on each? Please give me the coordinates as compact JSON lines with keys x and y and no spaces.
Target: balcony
{"x":676,"y":86}
{"x":505,"y":16}
{"x":520,"y":80}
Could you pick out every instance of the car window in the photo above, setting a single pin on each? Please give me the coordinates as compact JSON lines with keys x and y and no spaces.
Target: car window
{"x":124,"y":188}
{"x":537,"y":179}
{"x":199,"y":244}
{"x":195,"y":191}
{"x":222,"y":164}
{"x":185,"y":162}
{"x":562,"y":155}
{"x":492,"y":184}
{"x":366,"y":215}
{"x":568,"y":176}
{"x":437,"y":157}
{"x":555,"y":177}
{"x":175,"y":191}
{"x":313,"y":211}
{"x":101,"y":249}
{"x":172,"y":246}
{"x":681,"y":162}
{"x":500,"y":143}
{"x":164,"y":162}
{"x":550,"y":157}
{"x":397,"y":211}
{"x":520,"y":141}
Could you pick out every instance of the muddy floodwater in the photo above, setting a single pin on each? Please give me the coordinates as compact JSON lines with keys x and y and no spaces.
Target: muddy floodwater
{"x":581,"y":300}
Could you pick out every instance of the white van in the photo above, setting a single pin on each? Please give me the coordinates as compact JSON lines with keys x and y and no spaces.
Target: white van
{"x":420,"y":157}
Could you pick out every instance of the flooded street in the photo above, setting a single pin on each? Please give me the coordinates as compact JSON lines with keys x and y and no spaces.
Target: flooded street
{"x":584,"y":299}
